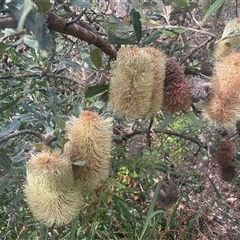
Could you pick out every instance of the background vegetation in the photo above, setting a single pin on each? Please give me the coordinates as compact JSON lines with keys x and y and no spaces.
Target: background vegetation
{"x":164,"y":183}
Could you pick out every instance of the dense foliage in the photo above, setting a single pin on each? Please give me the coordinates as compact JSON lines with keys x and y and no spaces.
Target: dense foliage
{"x":165,"y":181}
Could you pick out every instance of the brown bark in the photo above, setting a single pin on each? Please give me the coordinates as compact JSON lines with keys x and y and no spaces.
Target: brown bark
{"x":7,"y":22}
{"x":61,"y":25}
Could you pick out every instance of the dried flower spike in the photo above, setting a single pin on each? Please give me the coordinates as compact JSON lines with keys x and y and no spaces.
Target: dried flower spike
{"x":223,"y":108}
{"x":50,"y":191}
{"x":136,"y":85}
{"x":89,"y":147}
{"x":224,"y":155}
{"x":177,"y":88}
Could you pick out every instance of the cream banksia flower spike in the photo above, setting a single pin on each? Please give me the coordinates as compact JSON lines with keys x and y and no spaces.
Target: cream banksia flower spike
{"x":50,"y":190}
{"x":223,"y":108}
{"x":89,"y":147}
{"x":136,"y":85}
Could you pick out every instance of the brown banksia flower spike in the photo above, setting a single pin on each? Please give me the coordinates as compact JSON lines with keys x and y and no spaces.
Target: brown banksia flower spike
{"x":136,"y":84}
{"x":177,"y":88}
{"x":224,"y":155}
{"x":89,"y":147}
{"x":228,"y":173}
{"x":223,"y":107}
{"x":50,"y":190}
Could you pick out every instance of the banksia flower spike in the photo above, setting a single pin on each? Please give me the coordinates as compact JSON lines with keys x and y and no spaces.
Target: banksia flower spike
{"x":177,"y":88}
{"x":89,"y":144}
{"x":223,"y":108}
{"x":136,"y":85}
{"x":50,"y":191}
{"x":225,"y":153}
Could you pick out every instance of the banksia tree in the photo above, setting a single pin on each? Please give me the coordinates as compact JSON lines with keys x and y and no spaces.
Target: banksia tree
{"x":225,"y":153}
{"x":136,"y":85}
{"x":177,"y":88}
{"x":89,"y":147}
{"x":50,"y":191}
{"x":223,"y":107}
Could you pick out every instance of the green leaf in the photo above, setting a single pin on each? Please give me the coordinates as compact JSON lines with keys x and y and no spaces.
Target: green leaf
{"x":182,"y":3}
{"x":137,"y":6}
{"x":3,"y":46}
{"x":26,"y":8}
{"x":6,"y":163}
{"x":13,"y":126}
{"x":43,"y":6}
{"x":137,"y":25}
{"x":69,"y":63}
{"x":117,"y":40}
{"x":96,"y":58}
{"x":94,"y":90}
{"x":81,"y":3}
{"x":31,"y":41}
{"x":41,"y":146}
{"x":213,"y":8}
{"x":113,"y":182}
{"x":9,"y":105}
{"x":152,"y":37}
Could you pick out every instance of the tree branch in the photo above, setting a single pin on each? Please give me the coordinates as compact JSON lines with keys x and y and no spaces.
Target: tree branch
{"x":23,"y":132}
{"x":130,"y":134}
{"x":62,"y":25}
{"x":7,"y":22}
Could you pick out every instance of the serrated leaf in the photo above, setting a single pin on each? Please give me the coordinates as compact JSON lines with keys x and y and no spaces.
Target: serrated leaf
{"x":69,"y":63}
{"x":117,"y":40}
{"x":14,"y":126}
{"x":81,"y":3}
{"x":31,"y":41}
{"x":3,"y":46}
{"x":9,"y":105}
{"x":96,"y":58}
{"x":5,"y":181}
{"x":137,"y":6}
{"x":152,"y":37}
{"x":113,"y":182}
{"x":6,"y":163}
{"x":43,"y":6}
{"x":213,"y":8}
{"x":137,"y":25}
{"x":26,"y":8}
{"x":182,"y":3}
{"x":94,"y":90}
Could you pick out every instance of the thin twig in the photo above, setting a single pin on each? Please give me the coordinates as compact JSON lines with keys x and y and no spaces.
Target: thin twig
{"x":186,"y":29}
{"x":196,"y":49}
{"x":22,"y":132}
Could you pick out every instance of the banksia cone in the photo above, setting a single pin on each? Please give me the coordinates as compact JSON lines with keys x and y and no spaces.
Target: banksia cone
{"x":228,"y":173}
{"x":50,"y":191}
{"x":177,"y":88}
{"x":136,"y":85}
{"x":225,"y":153}
{"x":223,"y":108}
{"x":90,"y":145}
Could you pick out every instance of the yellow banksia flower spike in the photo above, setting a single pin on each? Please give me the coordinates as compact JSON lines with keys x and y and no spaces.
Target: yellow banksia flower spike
{"x":136,"y":84}
{"x":89,"y":147}
{"x":223,"y":108}
{"x":50,"y":190}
